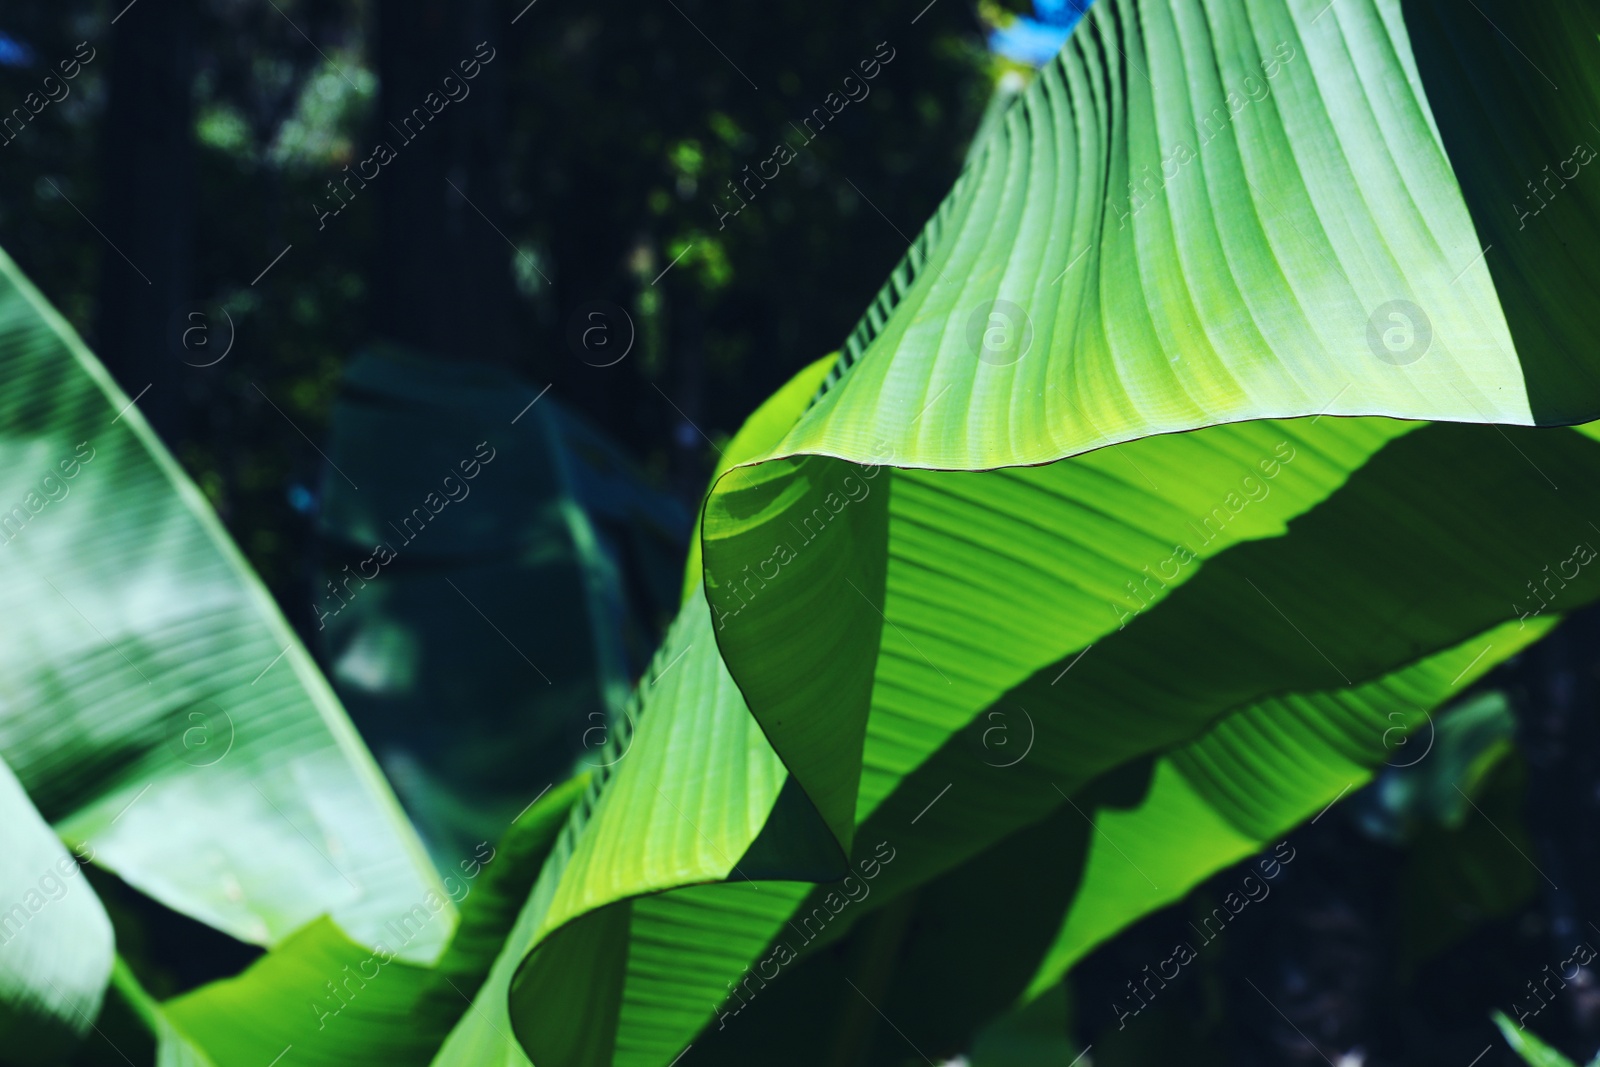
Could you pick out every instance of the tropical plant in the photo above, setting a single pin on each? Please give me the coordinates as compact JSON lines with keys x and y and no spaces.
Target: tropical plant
{"x":474,"y":492}
{"x":1198,"y":594}
{"x":160,"y":715}
{"x":1532,"y":1050}
{"x":1128,"y":531}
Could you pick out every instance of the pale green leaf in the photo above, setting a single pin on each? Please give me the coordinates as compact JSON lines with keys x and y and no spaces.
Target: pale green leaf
{"x":55,"y":939}
{"x":156,"y":706}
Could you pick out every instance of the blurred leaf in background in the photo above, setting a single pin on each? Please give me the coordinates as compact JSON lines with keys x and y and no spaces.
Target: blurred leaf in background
{"x":490,"y":591}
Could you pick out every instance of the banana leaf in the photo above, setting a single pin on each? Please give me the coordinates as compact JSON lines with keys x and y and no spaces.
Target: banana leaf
{"x":1240,"y":220}
{"x":336,"y":1002}
{"x":55,"y":939}
{"x":156,"y":709}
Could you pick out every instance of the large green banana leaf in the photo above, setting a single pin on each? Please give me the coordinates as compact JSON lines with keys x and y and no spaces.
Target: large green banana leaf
{"x":1220,"y":642}
{"x":871,"y":601}
{"x":1197,"y":815}
{"x":1243,"y":289}
{"x":154,"y":705}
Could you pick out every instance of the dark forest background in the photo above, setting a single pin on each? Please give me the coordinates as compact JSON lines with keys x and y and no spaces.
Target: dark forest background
{"x":206,"y":136}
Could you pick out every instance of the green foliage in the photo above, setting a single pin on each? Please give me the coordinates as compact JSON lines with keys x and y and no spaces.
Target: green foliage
{"x":1054,"y":594}
{"x":56,"y":937}
{"x":169,"y":719}
{"x":487,"y":592}
{"x":1533,"y":1051}
{"x":875,"y":595}
{"x":336,"y":1001}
